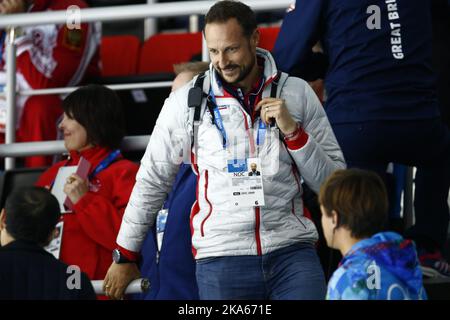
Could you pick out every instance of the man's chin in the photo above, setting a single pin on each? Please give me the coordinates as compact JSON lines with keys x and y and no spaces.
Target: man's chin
{"x":229,"y":79}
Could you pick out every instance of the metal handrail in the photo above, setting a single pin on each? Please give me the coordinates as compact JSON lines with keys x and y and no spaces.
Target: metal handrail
{"x":117,"y":87}
{"x":10,"y":128}
{"x":136,"y":286}
{"x":128,"y":12}
{"x":25,"y":149}
{"x":116,"y":13}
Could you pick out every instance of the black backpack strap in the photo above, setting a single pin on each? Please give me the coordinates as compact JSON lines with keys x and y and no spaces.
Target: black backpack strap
{"x":274,"y":86}
{"x":195,"y":99}
{"x":273,"y":90}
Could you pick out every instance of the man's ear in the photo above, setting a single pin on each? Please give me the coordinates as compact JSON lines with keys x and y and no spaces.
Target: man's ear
{"x":2,"y":219}
{"x":335,"y":219}
{"x":255,"y":37}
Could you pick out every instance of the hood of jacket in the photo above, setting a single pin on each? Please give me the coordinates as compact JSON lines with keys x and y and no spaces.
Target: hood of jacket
{"x":392,"y":253}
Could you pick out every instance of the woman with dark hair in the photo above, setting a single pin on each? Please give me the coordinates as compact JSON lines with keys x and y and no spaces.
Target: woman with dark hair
{"x":93,"y":127}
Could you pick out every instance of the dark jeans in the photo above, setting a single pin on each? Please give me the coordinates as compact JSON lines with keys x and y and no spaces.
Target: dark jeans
{"x":291,"y":273}
{"x":421,"y":143}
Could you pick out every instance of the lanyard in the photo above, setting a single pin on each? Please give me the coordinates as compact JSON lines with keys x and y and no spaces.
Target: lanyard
{"x":113,"y":156}
{"x":101,"y":166}
{"x":261,"y":136}
{"x":217,"y":119}
{"x":2,"y":40}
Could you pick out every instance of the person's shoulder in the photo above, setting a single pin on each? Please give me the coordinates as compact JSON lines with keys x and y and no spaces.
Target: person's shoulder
{"x":294,"y":86}
{"x":183,"y":91}
{"x":49,"y":174}
{"x":290,"y":79}
{"x":22,"y":253}
{"x":178,"y":99}
{"x":349,"y":283}
{"x":123,"y":165}
{"x":126,"y":163}
{"x":56,"y":166}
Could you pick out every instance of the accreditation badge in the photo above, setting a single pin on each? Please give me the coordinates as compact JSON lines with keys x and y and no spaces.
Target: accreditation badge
{"x":246,"y":186}
{"x":54,"y":247}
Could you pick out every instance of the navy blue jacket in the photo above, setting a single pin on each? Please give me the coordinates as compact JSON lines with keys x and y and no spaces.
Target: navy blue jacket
{"x":369,"y":76}
{"x":172,"y":276}
{"x":29,"y":272}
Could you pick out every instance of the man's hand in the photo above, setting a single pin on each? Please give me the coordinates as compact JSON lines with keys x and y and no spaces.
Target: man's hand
{"x":75,"y":188}
{"x":12,"y":6}
{"x":118,"y":278}
{"x":273,"y":108}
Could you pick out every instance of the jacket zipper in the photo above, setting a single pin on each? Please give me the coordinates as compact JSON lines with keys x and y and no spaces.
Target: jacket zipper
{"x":294,"y":171}
{"x":202,"y":231}
{"x":257,"y":209}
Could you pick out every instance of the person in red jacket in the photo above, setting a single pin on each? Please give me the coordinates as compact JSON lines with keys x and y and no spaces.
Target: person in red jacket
{"x":93,"y":127}
{"x":48,"y":56}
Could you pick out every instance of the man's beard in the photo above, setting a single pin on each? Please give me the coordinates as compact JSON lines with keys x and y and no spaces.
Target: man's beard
{"x":243,"y":72}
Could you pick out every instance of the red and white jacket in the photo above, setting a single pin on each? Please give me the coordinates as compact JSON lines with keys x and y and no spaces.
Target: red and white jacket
{"x":218,"y":228}
{"x":52,"y":56}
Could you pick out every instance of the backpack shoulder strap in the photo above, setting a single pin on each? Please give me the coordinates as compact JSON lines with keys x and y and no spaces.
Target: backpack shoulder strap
{"x":277,"y":84}
{"x":274,"y":86}
{"x":196,"y":105}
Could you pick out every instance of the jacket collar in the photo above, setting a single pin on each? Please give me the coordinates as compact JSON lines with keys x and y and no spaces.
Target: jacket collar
{"x":24,"y":245}
{"x":270,"y":72}
{"x":94,"y":155}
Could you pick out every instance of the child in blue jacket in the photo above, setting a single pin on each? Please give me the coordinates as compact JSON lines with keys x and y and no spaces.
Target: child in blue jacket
{"x":376,"y":265}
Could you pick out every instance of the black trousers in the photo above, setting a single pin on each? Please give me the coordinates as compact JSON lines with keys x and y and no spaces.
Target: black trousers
{"x":424,"y":144}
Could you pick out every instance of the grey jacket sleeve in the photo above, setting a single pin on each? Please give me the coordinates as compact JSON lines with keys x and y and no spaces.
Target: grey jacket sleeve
{"x":157,"y":172}
{"x":321,"y":155}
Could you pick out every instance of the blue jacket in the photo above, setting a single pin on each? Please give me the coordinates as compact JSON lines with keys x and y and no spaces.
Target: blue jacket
{"x":373,"y":74}
{"x":172,"y":274}
{"x":384,"y":267}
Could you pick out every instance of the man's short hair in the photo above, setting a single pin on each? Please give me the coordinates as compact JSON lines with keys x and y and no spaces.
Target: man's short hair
{"x":360,"y":199}
{"x":99,"y":110}
{"x":222,"y":11}
{"x":31,"y":214}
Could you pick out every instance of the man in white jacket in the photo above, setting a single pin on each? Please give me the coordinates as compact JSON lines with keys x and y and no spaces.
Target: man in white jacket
{"x":249,"y":236}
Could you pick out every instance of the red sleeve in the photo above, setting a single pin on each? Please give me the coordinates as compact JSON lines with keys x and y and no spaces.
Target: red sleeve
{"x":130,"y":255}
{"x":100,"y":214}
{"x":297,"y":139}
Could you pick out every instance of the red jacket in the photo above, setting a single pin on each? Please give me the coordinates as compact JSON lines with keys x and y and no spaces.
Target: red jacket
{"x":90,"y":231}
{"x":49,"y":56}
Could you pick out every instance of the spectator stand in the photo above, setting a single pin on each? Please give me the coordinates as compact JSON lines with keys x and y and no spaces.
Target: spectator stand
{"x":129,"y":77}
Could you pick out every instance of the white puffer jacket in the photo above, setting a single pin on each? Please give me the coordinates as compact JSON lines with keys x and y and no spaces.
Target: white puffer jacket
{"x":219,"y":229}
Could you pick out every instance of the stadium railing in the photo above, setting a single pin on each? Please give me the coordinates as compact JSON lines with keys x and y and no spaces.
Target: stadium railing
{"x":116,"y":13}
